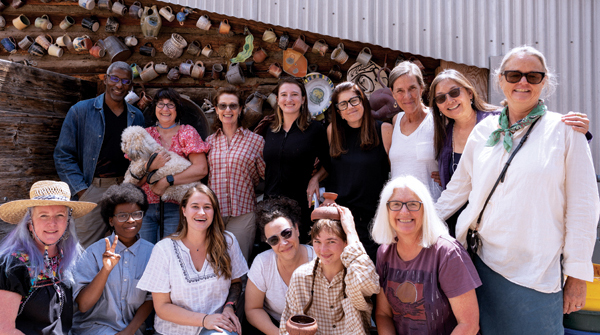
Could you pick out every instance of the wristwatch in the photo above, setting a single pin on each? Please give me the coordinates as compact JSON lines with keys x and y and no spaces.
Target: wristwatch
{"x":170,"y":179}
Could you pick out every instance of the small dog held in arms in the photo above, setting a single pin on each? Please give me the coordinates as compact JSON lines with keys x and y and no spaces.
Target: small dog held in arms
{"x":139,"y":146}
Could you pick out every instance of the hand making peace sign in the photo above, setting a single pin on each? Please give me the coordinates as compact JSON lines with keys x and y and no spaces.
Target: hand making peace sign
{"x":109,"y":257}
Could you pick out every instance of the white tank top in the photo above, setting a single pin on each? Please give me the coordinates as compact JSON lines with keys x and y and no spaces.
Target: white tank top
{"x":414,"y":154}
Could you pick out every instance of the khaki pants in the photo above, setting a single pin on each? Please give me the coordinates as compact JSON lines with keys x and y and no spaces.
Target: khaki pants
{"x":90,"y":227}
{"x":243,"y":227}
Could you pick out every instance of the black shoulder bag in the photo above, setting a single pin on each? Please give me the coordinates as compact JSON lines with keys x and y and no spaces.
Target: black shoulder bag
{"x":473,"y":239}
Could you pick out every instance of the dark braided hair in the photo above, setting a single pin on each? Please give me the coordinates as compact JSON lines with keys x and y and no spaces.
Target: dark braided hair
{"x":335,"y":227}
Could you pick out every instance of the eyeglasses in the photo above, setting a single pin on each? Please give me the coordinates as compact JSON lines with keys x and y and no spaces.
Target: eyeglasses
{"x":441,"y":98}
{"x":285,"y":234}
{"x":396,"y":206}
{"x":122,"y":217}
{"x":162,"y":105}
{"x":343,"y":105}
{"x":231,"y":106}
{"x":533,"y":78}
{"x":116,"y":80}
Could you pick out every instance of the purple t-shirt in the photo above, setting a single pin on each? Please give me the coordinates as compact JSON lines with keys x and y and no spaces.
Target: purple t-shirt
{"x":418,"y":290}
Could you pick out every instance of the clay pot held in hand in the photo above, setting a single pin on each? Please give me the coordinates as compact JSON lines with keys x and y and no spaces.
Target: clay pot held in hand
{"x":301,"y":325}
{"x":325,"y":211}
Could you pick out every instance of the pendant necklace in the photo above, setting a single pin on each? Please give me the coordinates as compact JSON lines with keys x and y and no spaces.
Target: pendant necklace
{"x":454,"y":165}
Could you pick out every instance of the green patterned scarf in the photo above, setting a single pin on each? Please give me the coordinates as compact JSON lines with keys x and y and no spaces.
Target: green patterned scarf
{"x":508,"y":131}
{"x":247,"y":50}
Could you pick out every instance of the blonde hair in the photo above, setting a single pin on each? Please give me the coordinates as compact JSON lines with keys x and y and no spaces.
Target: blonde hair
{"x":433,"y":227}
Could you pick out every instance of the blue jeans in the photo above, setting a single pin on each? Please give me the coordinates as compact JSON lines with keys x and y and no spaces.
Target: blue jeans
{"x":507,"y":308}
{"x":149,"y":231}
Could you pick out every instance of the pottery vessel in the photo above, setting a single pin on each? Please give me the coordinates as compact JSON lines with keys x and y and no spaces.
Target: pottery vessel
{"x":150,"y":22}
{"x":301,"y":325}
{"x":325,"y":211}
{"x":173,"y":47}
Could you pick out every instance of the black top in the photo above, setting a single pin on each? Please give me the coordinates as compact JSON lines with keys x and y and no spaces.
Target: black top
{"x":290,"y":158}
{"x":41,"y":312}
{"x":111,"y":160}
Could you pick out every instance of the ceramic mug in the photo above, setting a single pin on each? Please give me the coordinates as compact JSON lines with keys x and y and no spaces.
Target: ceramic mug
{"x":55,"y":50}
{"x":63,"y":40}
{"x":148,"y":73}
{"x":136,"y":10}
{"x":43,"y":22}
{"x":87,"y":4}
{"x":10,"y":44}
{"x":105,"y":4}
{"x":131,"y":98}
{"x":284,"y":40}
{"x":300,"y":45}
{"x":26,"y":42}
{"x":185,"y":68}
{"x":91,"y":23}
{"x":21,"y":22}
{"x":269,"y":36}
{"x":44,"y":42}
{"x":119,"y":7}
{"x":207,"y":51}
{"x":98,"y":50}
{"x":145,"y":101}
{"x":234,"y":75}
{"x":131,"y":41}
{"x":198,"y":70}
{"x":167,"y":13}
{"x":259,"y":55}
{"x":272,"y":100}
{"x":335,"y":73}
{"x":194,"y":48}
{"x":161,"y":68}
{"x":82,"y":43}
{"x":173,"y":74}
{"x":67,"y":22}
{"x":36,"y":50}
{"x":203,"y":22}
{"x":224,"y":27}
{"x":148,"y":50}
{"x":112,"y":25}
{"x":216,"y":71}
{"x":135,"y":69}
{"x":320,"y":47}
{"x":17,"y":3}
{"x":275,"y":70}
{"x":364,"y":56}
{"x":2,"y":22}
{"x":339,"y":55}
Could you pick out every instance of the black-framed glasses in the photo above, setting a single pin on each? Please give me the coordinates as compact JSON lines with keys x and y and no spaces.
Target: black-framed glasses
{"x":122,"y":217}
{"x":232,"y":107}
{"x":285,"y":234}
{"x":162,"y":105}
{"x":441,"y":98}
{"x":343,"y":105}
{"x":396,"y":206}
{"x":533,"y":77}
{"x":116,"y":80}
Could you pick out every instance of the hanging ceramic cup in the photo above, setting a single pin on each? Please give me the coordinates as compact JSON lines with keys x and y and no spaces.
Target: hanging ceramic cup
{"x":194,"y":48}
{"x":161,"y":68}
{"x":259,"y":55}
{"x":136,"y":10}
{"x":272,"y":100}
{"x":364,"y":56}
{"x":216,"y":71}
{"x":112,"y":25}
{"x":36,"y":50}
{"x":207,"y":51}
{"x":167,"y":13}
{"x":284,"y":40}
{"x":136,"y":70}
{"x":119,"y":7}
{"x":98,"y":50}
{"x":26,"y":42}
{"x":148,"y":50}
{"x":173,"y":74}
{"x":269,"y":36}
{"x":45,"y":41}
{"x":203,"y":22}
{"x":145,"y":101}
{"x":9,"y":44}
{"x":21,"y":22}
{"x":173,"y":47}
{"x":198,"y":70}
{"x":275,"y":70}
{"x":320,"y":47}
{"x":18,"y":3}
{"x":335,"y":73}
{"x":131,"y":41}
{"x":300,"y":45}
{"x":148,"y":73}
{"x":105,"y":4}
{"x":43,"y":22}
{"x":224,"y":27}
{"x":2,"y":22}
{"x":87,"y":4}
{"x":131,"y":98}
{"x":339,"y":55}
{"x":64,"y":40}
{"x":55,"y":50}
{"x":82,"y":43}
{"x":235,"y":75}
{"x":66,"y":22}
{"x":91,"y":23}
{"x":185,"y":68}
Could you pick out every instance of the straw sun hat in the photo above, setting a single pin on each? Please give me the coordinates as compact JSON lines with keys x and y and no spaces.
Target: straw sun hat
{"x":44,"y":193}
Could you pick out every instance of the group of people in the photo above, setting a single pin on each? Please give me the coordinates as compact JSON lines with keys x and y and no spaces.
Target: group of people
{"x":515,"y":223}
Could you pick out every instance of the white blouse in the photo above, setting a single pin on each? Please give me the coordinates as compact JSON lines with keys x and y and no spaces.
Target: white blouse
{"x":171,"y":270}
{"x":546,"y":207}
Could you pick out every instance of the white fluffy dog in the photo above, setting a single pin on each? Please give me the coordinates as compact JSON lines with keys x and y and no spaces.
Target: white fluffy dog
{"x":138,"y":145}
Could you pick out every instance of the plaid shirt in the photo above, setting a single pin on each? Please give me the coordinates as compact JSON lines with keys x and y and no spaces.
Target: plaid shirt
{"x":362,"y":281}
{"x":235,"y":169}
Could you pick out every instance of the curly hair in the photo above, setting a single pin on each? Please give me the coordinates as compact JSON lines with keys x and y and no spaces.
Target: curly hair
{"x":274,"y":208}
{"x":227,"y":90}
{"x":216,"y":248}
{"x":121,"y":194}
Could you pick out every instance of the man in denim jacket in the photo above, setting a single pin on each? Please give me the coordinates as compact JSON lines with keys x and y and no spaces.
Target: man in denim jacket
{"x":88,"y":154}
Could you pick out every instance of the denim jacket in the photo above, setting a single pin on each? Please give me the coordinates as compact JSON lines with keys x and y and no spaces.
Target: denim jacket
{"x":80,"y":141}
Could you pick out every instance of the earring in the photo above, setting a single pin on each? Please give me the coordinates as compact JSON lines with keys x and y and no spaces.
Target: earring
{"x":395,"y":104}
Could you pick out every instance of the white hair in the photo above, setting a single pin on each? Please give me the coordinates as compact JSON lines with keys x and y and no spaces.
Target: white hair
{"x":382,"y":231}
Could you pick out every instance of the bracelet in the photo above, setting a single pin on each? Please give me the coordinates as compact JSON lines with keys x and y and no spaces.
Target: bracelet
{"x":230,"y":303}
{"x":203,"y":320}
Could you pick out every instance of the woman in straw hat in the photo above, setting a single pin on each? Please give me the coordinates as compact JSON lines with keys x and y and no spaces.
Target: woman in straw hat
{"x":36,"y":260}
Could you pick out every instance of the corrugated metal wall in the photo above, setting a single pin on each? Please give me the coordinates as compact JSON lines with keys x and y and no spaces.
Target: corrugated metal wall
{"x":461,"y":31}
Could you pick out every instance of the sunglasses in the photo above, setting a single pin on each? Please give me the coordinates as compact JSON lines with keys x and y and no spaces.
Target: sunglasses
{"x":533,"y":78}
{"x":122,"y":217}
{"x":231,"y":106}
{"x":441,"y":98}
{"x":116,"y":80}
{"x":343,"y":105}
{"x":285,"y":234}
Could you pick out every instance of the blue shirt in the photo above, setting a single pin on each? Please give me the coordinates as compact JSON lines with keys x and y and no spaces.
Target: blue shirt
{"x":80,"y":141}
{"x":121,"y":298}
